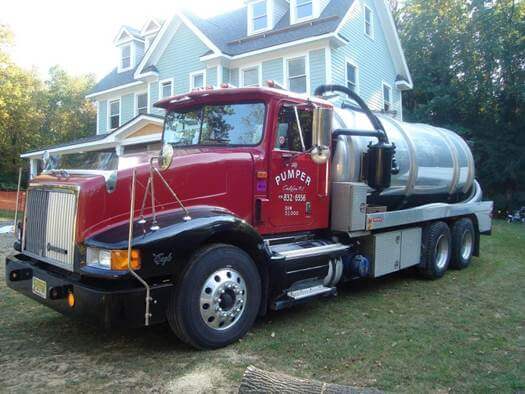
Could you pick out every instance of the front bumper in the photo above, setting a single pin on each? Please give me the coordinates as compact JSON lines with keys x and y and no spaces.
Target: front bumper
{"x":117,"y":307}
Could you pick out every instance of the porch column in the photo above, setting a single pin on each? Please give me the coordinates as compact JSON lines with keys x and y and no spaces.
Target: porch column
{"x":33,"y":168}
{"x":119,"y":150}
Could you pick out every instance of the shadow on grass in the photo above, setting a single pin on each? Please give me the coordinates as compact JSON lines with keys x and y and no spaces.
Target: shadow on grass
{"x":68,"y":333}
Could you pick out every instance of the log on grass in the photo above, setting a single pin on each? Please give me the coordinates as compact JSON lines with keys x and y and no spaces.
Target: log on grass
{"x":258,"y":381}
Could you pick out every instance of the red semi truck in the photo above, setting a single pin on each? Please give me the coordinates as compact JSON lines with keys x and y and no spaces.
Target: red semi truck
{"x":259,"y":199}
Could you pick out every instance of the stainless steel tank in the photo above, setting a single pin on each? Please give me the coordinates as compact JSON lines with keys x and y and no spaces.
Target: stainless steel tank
{"x":435,"y":164}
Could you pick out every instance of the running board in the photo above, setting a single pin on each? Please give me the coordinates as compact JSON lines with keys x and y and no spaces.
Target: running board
{"x":301,"y":253}
{"x":294,"y":297}
{"x":308,"y":292}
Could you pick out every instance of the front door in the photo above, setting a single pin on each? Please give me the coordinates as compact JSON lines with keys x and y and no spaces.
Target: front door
{"x":298,"y":187}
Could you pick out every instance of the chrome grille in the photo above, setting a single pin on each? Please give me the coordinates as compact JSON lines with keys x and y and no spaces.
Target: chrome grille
{"x":49,"y":231}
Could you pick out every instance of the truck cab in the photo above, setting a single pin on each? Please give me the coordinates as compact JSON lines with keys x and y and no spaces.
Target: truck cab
{"x":239,"y":213}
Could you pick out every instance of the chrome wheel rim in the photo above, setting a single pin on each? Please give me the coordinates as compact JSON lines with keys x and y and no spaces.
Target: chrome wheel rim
{"x":467,"y":245}
{"x":441,"y":252}
{"x":223,"y":299}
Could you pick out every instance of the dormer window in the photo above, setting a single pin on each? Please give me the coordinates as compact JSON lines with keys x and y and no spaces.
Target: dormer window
{"x":125,"y":60}
{"x":149,"y":31}
{"x":258,"y":16}
{"x":303,"y":10}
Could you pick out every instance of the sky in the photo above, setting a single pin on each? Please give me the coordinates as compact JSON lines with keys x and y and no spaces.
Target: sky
{"x":78,"y":35}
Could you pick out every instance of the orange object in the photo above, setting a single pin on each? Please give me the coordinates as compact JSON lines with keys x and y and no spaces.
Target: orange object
{"x":119,"y":260}
{"x":71,"y":299}
{"x":262,"y":175}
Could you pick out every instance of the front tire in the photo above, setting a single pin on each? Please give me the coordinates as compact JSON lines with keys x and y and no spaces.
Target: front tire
{"x":436,"y":248}
{"x":463,"y":243}
{"x":216,"y":299}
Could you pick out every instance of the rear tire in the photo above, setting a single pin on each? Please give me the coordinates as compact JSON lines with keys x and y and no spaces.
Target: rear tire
{"x":216,"y":299}
{"x":436,"y":248}
{"x":463,"y":243}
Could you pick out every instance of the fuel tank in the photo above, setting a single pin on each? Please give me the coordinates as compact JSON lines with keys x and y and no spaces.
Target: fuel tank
{"x":433,"y":164}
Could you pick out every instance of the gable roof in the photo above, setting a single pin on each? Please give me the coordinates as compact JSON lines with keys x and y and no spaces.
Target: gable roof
{"x":127,"y":31}
{"x":147,"y":29}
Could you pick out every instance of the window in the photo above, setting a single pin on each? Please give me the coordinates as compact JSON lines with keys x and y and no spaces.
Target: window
{"x":351,"y":76}
{"x":166,"y":88}
{"x":304,"y":9}
{"x":297,"y":81}
{"x":114,"y":114}
{"x":289,"y":136}
{"x":259,"y":16}
{"x":387,"y":97}
{"x":197,"y":80}
{"x":141,"y":104}
{"x":223,"y":125}
{"x":369,"y":22}
{"x":250,"y":77}
{"x":125,"y":61}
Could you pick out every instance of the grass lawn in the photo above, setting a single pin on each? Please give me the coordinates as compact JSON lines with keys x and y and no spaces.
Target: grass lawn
{"x":6,"y":215}
{"x":465,"y":333}
{"x":9,"y":216}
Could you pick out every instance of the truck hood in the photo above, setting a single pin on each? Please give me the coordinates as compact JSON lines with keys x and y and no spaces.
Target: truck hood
{"x":199,"y":176}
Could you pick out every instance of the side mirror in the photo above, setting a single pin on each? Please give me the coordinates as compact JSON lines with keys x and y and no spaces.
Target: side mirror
{"x":165,"y":157}
{"x":321,"y":134}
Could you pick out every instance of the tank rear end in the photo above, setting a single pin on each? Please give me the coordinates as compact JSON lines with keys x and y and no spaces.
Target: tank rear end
{"x":432,"y":164}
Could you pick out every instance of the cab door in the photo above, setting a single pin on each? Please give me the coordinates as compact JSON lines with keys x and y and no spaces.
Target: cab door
{"x":298,"y":187}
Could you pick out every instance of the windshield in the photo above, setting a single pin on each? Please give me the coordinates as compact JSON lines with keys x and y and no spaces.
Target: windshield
{"x":106,"y":161}
{"x":235,"y":124}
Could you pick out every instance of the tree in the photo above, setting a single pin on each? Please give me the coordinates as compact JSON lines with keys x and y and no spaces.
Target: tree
{"x":20,"y":113}
{"x":467,"y":60}
{"x":68,"y":114}
{"x":34,"y":114}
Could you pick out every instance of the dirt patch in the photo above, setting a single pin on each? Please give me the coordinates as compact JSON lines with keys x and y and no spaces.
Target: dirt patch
{"x":202,"y":380}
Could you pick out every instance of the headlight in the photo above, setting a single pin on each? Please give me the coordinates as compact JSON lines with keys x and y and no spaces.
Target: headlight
{"x":116,"y":260}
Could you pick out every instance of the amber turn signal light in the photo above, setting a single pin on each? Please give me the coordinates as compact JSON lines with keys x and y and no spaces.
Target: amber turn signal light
{"x":71,"y":299}
{"x":119,"y":260}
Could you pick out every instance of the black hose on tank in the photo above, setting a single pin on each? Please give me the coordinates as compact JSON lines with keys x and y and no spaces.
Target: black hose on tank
{"x":379,"y":159}
{"x":354,"y":96}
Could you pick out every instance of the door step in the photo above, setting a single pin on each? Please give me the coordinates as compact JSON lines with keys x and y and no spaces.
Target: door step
{"x":308,"y":292}
{"x":298,"y":296}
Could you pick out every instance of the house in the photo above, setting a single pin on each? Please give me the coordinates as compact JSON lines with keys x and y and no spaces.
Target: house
{"x":300,"y":44}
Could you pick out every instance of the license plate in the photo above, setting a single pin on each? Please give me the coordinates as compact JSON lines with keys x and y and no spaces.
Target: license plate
{"x":39,"y":287}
